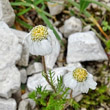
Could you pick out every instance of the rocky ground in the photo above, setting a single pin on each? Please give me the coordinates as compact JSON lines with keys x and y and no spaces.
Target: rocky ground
{"x":20,"y":72}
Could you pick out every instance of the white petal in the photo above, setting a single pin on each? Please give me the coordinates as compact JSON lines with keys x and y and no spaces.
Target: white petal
{"x":46,"y":47}
{"x":69,"y":81}
{"x":91,"y":83}
{"x":42,"y":47}
{"x":85,"y":87}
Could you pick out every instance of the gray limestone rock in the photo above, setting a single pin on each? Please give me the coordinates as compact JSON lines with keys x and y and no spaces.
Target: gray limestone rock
{"x":55,"y":8}
{"x":10,"y":49}
{"x":10,"y":52}
{"x":6,"y":12}
{"x":85,"y":46}
{"x":24,"y":105}
{"x":71,"y":26}
{"x":7,"y":104}
{"x":9,"y":81}
{"x":23,"y":76}
{"x":37,"y":80}
{"x":25,"y":50}
{"x":34,"y":68}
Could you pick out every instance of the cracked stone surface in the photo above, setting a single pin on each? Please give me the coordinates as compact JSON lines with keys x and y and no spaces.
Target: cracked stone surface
{"x":10,"y":52}
{"x":10,"y":49}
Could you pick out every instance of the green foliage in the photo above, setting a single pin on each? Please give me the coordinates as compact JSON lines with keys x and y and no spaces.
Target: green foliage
{"x":105,"y":25}
{"x":95,"y":98}
{"x":49,"y":100}
{"x":39,"y":96}
{"x":108,"y":45}
{"x":83,"y":5}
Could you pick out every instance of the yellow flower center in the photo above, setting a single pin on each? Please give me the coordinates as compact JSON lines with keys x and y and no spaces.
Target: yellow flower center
{"x":80,"y":74}
{"x":39,"y":33}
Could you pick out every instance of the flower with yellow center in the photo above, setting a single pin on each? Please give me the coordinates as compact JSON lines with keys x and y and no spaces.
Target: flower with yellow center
{"x":39,"y":40}
{"x":79,"y":81}
{"x":39,"y":33}
{"x":80,"y":74}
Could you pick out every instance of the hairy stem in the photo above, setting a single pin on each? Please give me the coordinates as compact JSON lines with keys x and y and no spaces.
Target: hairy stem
{"x":71,"y":94}
{"x":46,"y":75}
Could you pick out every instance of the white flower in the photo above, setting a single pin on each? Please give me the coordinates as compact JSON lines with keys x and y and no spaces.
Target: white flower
{"x":79,"y":81}
{"x":39,"y":41}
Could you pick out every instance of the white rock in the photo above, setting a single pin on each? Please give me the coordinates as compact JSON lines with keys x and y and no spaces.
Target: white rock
{"x":71,"y":26}
{"x":9,"y":104}
{"x":56,"y":8}
{"x":34,"y":68}
{"x":37,"y":80}
{"x":31,"y":103}
{"x":25,"y":50}
{"x":25,"y":96}
{"x":9,"y":81}
{"x":24,"y":105}
{"x":78,"y":98}
{"x":6,"y":12}
{"x":10,"y":49}
{"x":52,"y":58}
{"x":86,"y":28}
{"x":23,"y":76}
{"x":84,"y":46}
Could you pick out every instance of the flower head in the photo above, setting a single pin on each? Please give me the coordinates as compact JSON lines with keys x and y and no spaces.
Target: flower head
{"x":79,"y":81}
{"x":39,"y":41}
{"x":80,"y":74}
{"x":39,"y":33}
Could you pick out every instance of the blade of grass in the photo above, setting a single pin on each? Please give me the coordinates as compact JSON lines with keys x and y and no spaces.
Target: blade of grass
{"x":20,"y":4}
{"x":24,"y":11}
{"x":24,"y":24}
{"x":83,"y":5}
